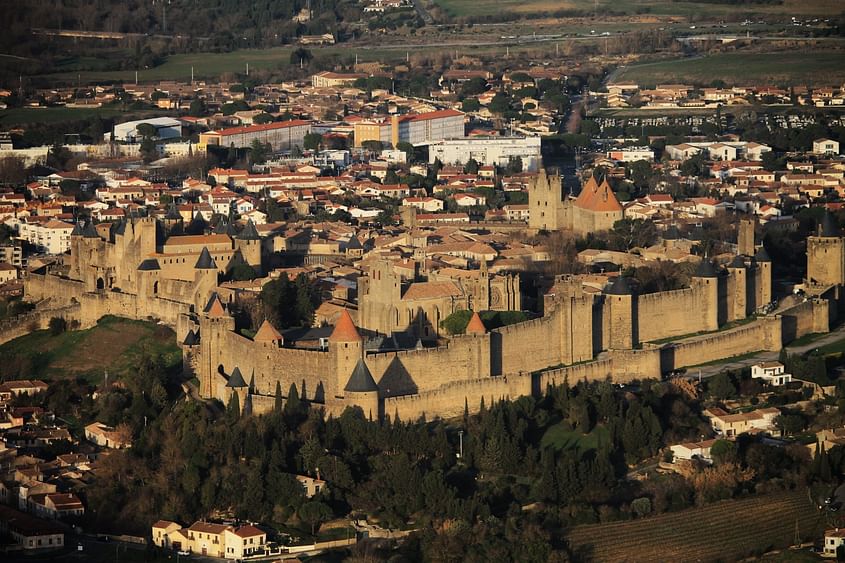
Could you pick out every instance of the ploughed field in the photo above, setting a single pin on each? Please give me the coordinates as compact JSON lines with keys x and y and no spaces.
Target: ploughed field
{"x":727,"y":531}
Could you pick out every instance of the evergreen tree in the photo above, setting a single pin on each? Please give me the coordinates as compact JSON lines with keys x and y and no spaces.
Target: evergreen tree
{"x":279,"y":402}
{"x":233,"y":409}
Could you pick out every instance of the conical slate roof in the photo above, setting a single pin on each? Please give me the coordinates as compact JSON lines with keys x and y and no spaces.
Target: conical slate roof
{"x":762,"y":255}
{"x":120,"y":227}
{"x":829,"y":228}
{"x":77,"y":230}
{"x":149,"y":265}
{"x":236,"y":380}
{"x":361,"y":380}
{"x":354,"y":243}
{"x":191,"y":339}
{"x":620,"y":286}
{"x":475,"y":325}
{"x":197,"y":225}
{"x":90,"y":231}
{"x":205,"y":261}
{"x":173,"y":213}
{"x":672,"y":233}
{"x":249,"y":232}
{"x":221,"y":227}
{"x":706,"y":269}
{"x":344,"y":330}
{"x":737,"y":262}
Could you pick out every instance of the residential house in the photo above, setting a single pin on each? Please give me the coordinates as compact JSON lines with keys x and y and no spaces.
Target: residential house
{"x":29,"y":532}
{"x":106,"y":436}
{"x":55,"y":506}
{"x":732,"y":425}
{"x":244,"y":541}
{"x":771,"y":372}
{"x":312,"y":485}
{"x":833,"y":540}
{"x":693,"y":450}
{"x":825,"y":146}
{"x":211,"y":539}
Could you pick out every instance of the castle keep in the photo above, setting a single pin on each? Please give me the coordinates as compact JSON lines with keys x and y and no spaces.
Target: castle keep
{"x":595,"y":209}
{"x":618,"y":333}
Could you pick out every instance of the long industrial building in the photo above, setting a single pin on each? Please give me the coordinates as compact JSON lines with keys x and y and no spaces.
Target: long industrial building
{"x":283,"y":135}
{"x":487,"y":151}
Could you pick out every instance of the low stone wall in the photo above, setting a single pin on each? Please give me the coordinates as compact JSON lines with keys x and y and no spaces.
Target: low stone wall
{"x":39,"y":319}
{"x":450,"y":400}
{"x":761,"y":335}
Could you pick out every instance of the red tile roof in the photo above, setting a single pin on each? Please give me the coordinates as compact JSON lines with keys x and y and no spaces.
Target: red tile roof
{"x":344,"y":330}
{"x":262,"y":127}
{"x":598,"y":198}
{"x":267,"y":333}
{"x":476,"y":326}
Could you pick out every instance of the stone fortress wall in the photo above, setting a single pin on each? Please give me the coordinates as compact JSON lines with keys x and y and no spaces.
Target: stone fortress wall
{"x":581,"y":336}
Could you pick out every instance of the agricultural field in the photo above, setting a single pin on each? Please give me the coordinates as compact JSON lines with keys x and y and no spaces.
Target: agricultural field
{"x":736,"y":529}
{"x":781,"y":68}
{"x":19,"y":116}
{"x":115,"y":345}
{"x":692,"y":9}
{"x":213,"y":65}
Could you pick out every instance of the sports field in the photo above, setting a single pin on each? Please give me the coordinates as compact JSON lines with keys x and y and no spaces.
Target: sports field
{"x":783,"y":68}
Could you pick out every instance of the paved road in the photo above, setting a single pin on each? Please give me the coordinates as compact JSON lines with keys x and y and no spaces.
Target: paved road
{"x":423,"y":13}
{"x":711,"y":370}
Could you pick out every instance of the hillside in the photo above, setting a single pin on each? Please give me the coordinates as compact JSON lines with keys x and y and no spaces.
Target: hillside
{"x":114,"y":345}
{"x":727,"y":531}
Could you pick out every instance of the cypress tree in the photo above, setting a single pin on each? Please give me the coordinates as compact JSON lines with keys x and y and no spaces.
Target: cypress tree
{"x":279,"y":403}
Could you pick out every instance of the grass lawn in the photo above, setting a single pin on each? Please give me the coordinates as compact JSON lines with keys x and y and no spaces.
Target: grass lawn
{"x":836,"y":347}
{"x":561,"y":438}
{"x":807,"y":339}
{"x":783,"y":68}
{"x":115,"y":345}
{"x":725,"y":360}
{"x":728,"y":326}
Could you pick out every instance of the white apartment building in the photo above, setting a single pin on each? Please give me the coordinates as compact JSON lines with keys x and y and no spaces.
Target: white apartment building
{"x":487,"y":151}
{"x":52,"y":237}
{"x":631,"y":154}
{"x":733,"y":150}
{"x":425,"y":128}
